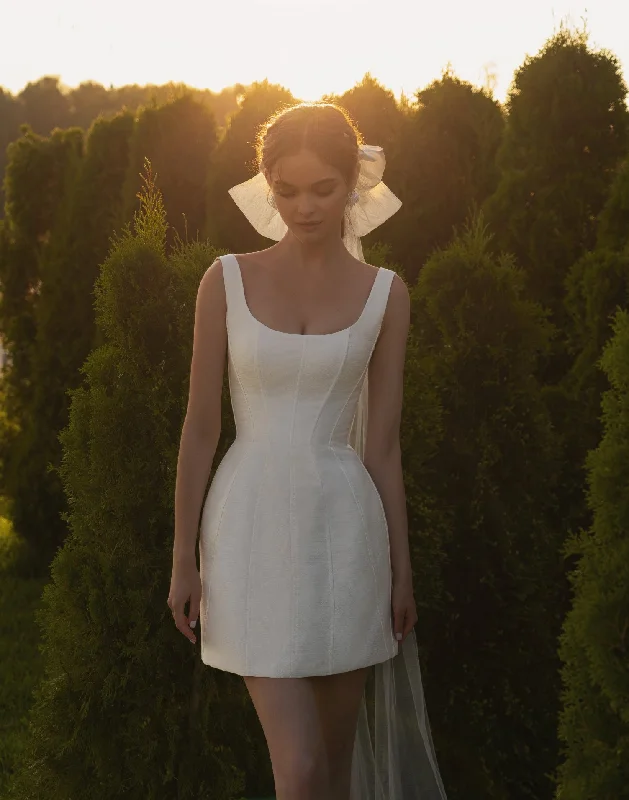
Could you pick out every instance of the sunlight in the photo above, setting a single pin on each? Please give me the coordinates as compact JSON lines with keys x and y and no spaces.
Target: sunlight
{"x":311,"y":48}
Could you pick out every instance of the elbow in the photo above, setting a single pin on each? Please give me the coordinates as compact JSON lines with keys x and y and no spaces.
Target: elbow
{"x":205,"y":432}
{"x":383,"y":456}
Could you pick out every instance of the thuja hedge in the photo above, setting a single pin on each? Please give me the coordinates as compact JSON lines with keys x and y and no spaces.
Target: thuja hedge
{"x":594,"y":722}
{"x":126,"y":708}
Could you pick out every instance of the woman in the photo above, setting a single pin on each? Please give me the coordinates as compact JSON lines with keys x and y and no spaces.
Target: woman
{"x":305,"y":578}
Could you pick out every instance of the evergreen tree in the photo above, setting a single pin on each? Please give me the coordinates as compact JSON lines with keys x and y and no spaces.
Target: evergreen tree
{"x":178,"y":137}
{"x":567,"y":129}
{"x":441,"y":165}
{"x":126,"y":708}
{"x":594,"y":721}
{"x":64,"y":316}
{"x":38,"y":173}
{"x":596,"y":286}
{"x":233,"y":162}
{"x":488,"y":474}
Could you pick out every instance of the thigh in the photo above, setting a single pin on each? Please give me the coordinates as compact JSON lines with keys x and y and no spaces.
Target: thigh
{"x":307,"y":720}
{"x":338,"y":699}
{"x":287,"y":710}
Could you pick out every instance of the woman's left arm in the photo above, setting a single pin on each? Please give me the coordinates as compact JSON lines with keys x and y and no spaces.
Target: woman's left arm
{"x":383,"y":458}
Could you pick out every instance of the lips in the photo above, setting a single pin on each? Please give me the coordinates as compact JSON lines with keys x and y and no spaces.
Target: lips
{"x":309,"y":226}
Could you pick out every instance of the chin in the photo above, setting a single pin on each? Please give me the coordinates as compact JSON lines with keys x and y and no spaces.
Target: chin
{"x":320,"y":231}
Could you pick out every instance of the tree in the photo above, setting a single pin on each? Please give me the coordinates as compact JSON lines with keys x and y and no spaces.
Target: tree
{"x":488,"y":476}
{"x":37,"y":174}
{"x":178,"y":138}
{"x":594,"y":721}
{"x":233,"y":162}
{"x":440,"y":166}
{"x":567,"y":129}
{"x":126,"y":708}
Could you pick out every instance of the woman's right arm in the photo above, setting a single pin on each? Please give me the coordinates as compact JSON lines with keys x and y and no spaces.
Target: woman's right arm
{"x":199,"y":439}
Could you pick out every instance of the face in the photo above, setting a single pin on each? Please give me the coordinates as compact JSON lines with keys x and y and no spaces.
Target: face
{"x":310,"y":195}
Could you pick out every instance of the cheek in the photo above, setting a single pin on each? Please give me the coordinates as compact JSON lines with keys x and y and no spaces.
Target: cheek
{"x":332,"y":206}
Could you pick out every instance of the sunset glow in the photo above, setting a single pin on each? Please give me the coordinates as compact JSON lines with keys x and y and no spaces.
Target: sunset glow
{"x":311,"y":47}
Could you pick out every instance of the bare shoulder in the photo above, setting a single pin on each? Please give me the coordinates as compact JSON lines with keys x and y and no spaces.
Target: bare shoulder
{"x":211,"y":294}
{"x":398,"y":311}
{"x":399,"y":295}
{"x":213,"y":275}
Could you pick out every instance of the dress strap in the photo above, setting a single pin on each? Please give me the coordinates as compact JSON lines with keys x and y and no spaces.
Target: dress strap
{"x":234,"y":289}
{"x":373,"y":313}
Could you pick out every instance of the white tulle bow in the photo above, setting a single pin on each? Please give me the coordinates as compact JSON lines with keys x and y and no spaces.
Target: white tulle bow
{"x":375,"y":204}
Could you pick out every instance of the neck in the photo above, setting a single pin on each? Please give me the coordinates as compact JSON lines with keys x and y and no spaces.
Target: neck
{"x":317,"y":255}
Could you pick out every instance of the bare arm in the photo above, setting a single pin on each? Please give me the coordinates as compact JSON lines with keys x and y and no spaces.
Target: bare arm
{"x":202,"y":425}
{"x":383,"y":451}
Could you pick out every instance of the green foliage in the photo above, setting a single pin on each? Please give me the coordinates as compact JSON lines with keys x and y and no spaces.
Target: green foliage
{"x":567,"y":129}
{"x":597,"y":285}
{"x":37,"y":181}
{"x":613,"y":230}
{"x":178,"y":139}
{"x":440,"y":165}
{"x":233,"y":162}
{"x":20,"y":666}
{"x":486,"y":469}
{"x":126,"y":708}
{"x":594,"y":721}
{"x":374,"y":110}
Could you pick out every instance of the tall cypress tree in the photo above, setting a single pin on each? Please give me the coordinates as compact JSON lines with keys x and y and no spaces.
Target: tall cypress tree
{"x":39,"y":172}
{"x":491,"y":660}
{"x":594,"y":721}
{"x":441,"y":165}
{"x":233,"y":162}
{"x":567,"y":130}
{"x":126,"y":708}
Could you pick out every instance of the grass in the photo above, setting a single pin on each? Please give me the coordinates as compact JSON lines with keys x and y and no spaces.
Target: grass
{"x":20,"y":666}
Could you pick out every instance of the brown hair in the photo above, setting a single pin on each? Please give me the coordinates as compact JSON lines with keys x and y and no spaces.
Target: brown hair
{"x":324,"y":128}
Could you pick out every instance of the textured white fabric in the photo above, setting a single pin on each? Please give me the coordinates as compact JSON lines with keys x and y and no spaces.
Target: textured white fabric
{"x":294,"y":548}
{"x":295,"y":562}
{"x":320,"y":493}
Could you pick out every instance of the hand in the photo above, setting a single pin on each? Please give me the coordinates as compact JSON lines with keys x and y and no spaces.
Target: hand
{"x":185,"y":584}
{"x":403,"y":609}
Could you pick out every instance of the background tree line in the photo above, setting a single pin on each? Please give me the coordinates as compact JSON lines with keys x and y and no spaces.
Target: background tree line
{"x":514,"y":239}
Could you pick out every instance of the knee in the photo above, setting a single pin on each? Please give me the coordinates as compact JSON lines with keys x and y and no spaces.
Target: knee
{"x":302,"y":777}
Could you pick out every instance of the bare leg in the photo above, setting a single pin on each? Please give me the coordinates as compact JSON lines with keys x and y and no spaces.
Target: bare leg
{"x":310,"y":727}
{"x":288,"y":714}
{"x":338,"y":702}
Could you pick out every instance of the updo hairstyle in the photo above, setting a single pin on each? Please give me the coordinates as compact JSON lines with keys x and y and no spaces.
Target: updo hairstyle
{"x":323,"y":128}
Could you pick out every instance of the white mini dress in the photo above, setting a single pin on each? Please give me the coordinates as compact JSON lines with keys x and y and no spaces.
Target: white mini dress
{"x":294,"y":548}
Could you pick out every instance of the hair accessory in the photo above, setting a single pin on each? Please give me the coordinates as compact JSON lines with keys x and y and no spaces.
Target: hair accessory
{"x":374,"y":202}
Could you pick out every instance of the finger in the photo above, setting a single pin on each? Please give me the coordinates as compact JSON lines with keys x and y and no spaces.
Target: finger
{"x":195,"y":606}
{"x":410,"y":621}
{"x":398,"y":623}
{"x":181,"y":621}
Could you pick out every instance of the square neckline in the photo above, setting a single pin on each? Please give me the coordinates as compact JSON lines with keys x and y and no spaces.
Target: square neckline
{"x":347,"y":329}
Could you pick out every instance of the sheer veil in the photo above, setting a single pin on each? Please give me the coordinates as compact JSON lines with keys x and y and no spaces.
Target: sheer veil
{"x":394,"y":756}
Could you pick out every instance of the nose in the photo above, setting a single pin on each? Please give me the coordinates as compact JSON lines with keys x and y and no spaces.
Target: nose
{"x":305,"y":205}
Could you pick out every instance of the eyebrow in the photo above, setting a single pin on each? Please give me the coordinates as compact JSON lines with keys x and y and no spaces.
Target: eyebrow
{"x":317,"y":183}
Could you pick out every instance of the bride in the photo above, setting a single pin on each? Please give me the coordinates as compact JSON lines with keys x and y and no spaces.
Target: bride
{"x":304,"y":583}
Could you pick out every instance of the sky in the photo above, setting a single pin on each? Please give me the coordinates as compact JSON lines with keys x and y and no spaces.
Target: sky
{"x":309,"y":46}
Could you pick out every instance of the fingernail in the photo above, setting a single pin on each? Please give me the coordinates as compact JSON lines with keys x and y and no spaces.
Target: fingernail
{"x":193,"y":623}
{"x":398,"y":636}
